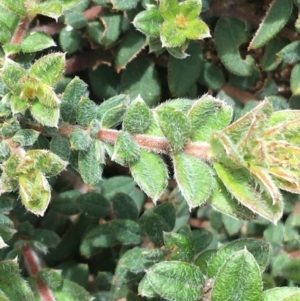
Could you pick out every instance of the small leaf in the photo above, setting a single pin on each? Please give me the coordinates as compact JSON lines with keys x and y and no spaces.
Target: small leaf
{"x":124,"y":206}
{"x":290,"y":53}
{"x":148,"y":22}
{"x":125,"y":149}
{"x":180,"y":246}
{"x":35,"y":192}
{"x":18,"y":105}
{"x":49,"y":69}
{"x":242,"y":274}
{"x":132,"y":44}
{"x":194,"y":179}
{"x":66,"y":202}
{"x":238,"y":184}
{"x":37,"y":41}
{"x":182,"y":74}
{"x":74,"y":91}
{"x":25,"y":137}
{"x":175,"y":126}
{"x":47,"y":96}
{"x":141,"y":78}
{"x":75,"y":19}
{"x":137,"y":117}
{"x":177,"y":281}
{"x":93,"y":204}
{"x":11,"y":75}
{"x":60,"y":146}
{"x":222,"y":201}
{"x":190,"y":9}
{"x":276,"y":17}
{"x":124,"y":4}
{"x":80,"y":140}
{"x":90,"y":170}
{"x":43,"y":160}
{"x":126,"y":231}
{"x":280,"y":293}
{"x":114,"y":116}
{"x":16,"y":6}
{"x":45,"y":115}
{"x":112,"y":24}
{"x":169,"y":9}
{"x":230,"y":33}
{"x":150,"y":173}
{"x":208,"y":115}
{"x":49,"y":8}
{"x":171,"y":35}
{"x":259,"y":249}
{"x":111,"y":103}
{"x":86,"y":111}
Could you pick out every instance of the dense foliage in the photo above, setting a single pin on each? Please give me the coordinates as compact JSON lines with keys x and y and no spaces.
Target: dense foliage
{"x":149,"y":150}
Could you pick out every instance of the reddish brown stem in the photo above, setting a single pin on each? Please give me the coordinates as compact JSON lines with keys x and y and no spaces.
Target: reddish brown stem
{"x":239,"y":95}
{"x":156,"y":144}
{"x":33,"y":265}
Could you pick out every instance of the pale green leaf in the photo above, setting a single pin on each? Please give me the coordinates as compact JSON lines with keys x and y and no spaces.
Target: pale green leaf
{"x":37,"y":41}
{"x":150,"y":173}
{"x":194,"y":179}
{"x":45,"y":115}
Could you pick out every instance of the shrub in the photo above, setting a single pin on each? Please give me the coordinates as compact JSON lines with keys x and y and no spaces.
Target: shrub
{"x":112,"y":87}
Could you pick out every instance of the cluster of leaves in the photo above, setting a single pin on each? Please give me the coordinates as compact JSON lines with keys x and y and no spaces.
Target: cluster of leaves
{"x":232,"y":153}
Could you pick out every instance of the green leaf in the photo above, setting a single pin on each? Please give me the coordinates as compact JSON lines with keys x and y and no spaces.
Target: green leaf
{"x":80,"y":140}
{"x":49,"y":69}
{"x":43,"y":160}
{"x":141,"y":78}
{"x":75,"y":19}
{"x":148,"y":22}
{"x":35,"y":192}
{"x":259,"y":249}
{"x":90,"y":170}
{"x":5,"y":34}
{"x":177,"y":281}
{"x":172,"y":36}
{"x":11,"y":75}
{"x":18,"y":105}
{"x":46,"y":237}
{"x":190,"y":9}
{"x":196,"y":30}
{"x":208,"y":115}
{"x":175,"y":126}
{"x":74,"y":91}
{"x":124,"y":206}
{"x":66,"y":202}
{"x":230,"y":33}
{"x":280,"y":293}
{"x":238,"y":184}
{"x":295,"y":75}
{"x":9,"y":273}
{"x":16,"y":6}
{"x":212,"y":76}
{"x":126,"y":231}
{"x":128,"y":49}
{"x":222,"y":201}
{"x":137,"y":117}
{"x":124,"y":4}
{"x":114,"y":116}
{"x":169,"y":9}
{"x":86,"y":111}
{"x":25,"y":137}
{"x":145,"y":289}
{"x":270,"y":61}
{"x":69,"y":39}
{"x":46,"y":95}
{"x":274,"y":234}
{"x":111,"y":103}
{"x":232,"y":226}
{"x":194,"y":179}
{"x":37,"y":41}
{"x":290,"y":53}
{"x":276,"y":17}
{"x":201,"y":239}
{"x":95,"y":30}
{"x":180,"y":246}
{"x":49,"y":8}
{"x":203,"y":259}
{"x":150,"y":173}
{"x":44,"y":114}
{"x":242,"y":274}
{"x":289,"y":270}
{"x":60,"y":146}
{"x":125,"y":150}
{"x":182,"y":74}
{"x":93,"y":204}
{"x":112,"y":24}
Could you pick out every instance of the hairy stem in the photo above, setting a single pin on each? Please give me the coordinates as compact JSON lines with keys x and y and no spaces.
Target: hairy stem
{"x":33,"y":265}
{"x":156,"y":144}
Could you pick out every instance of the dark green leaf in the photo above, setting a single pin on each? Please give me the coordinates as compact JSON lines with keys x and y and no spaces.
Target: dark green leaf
{"x":124,"y":206}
